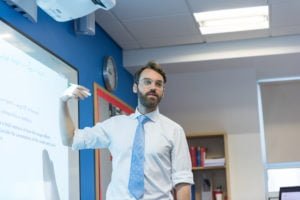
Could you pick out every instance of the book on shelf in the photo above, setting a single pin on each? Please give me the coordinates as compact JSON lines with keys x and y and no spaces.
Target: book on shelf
{"x":214,"y":162}
{"x":203,"y":156}
{"x":198,"y":154}
{"x":193,"y":153}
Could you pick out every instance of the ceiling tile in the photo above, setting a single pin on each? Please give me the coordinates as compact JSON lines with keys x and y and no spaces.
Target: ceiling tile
{"x":135,"y":9}
{"x":112,"y":26}
{"x":170,"y":26}
{"x":285,"y":13}
{"x":123,"y":37}
{"x":128,"y":45}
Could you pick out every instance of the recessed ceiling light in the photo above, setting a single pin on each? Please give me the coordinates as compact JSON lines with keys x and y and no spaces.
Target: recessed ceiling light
{"x":233,"y":20}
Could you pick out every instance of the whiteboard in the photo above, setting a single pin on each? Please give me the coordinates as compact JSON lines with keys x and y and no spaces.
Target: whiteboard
{"x":34,"y":163}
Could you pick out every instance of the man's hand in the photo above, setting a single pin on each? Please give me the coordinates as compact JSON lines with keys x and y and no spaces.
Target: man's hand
{"x":75,"y":91}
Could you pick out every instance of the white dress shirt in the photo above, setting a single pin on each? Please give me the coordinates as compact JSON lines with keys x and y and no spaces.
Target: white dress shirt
{"x":167,"y":158}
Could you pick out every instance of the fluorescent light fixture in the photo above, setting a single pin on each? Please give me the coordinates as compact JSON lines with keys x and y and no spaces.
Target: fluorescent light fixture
{"x":233,"y":20}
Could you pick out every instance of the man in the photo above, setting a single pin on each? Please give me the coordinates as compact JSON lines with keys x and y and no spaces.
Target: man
{"x":165,"y":156}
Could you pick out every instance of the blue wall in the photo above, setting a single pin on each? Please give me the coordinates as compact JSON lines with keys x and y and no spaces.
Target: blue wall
{"x":86,"y":54}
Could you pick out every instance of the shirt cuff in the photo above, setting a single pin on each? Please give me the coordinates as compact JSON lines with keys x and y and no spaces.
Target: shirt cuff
{"x":182,"y":177}
{"x":78,"y":140}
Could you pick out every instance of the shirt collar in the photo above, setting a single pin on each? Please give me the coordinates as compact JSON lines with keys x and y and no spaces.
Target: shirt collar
{"x":153,"y":116}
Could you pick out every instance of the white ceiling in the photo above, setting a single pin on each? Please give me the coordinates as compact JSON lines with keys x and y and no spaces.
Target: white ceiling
{"x":136,"y":24}
{"x":211,"y":79}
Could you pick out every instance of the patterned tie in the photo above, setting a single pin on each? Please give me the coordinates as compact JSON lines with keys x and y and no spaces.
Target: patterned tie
{"x":136,"y":179}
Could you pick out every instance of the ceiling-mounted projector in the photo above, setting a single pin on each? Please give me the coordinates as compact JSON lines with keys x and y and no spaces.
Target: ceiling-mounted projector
{"x":65,"y":10}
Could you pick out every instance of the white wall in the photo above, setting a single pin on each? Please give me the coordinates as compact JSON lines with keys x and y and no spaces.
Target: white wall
{"x":245,"y":168}
{"x":225,"y":99}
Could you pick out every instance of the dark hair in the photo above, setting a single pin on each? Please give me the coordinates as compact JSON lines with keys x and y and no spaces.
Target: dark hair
{"x":150,"y":65}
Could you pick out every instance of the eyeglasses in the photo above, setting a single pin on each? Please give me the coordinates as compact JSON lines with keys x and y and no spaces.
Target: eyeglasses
{"x":147,"y":82}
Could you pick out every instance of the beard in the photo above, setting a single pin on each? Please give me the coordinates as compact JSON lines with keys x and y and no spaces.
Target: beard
{"x":148,"y":101}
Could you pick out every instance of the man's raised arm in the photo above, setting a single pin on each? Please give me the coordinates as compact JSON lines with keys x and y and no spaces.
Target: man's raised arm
{"x":67,"y":127}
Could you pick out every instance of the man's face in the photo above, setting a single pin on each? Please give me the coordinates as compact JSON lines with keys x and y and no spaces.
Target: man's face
{"x":150,"y":88}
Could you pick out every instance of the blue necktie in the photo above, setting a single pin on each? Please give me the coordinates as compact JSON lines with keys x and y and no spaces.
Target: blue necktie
{"x":136,"y":178}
